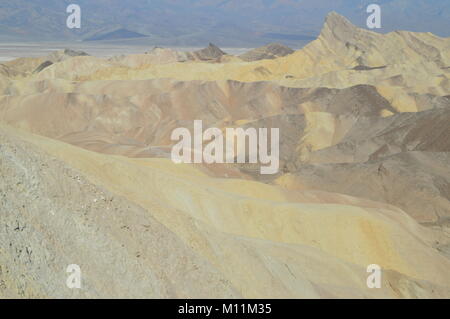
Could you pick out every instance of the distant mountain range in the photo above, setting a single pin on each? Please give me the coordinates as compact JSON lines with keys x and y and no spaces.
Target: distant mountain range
{"x":116,"y":34}
{"x":196,"y":22}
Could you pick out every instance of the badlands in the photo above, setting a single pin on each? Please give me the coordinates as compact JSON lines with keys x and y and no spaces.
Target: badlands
{"x":87,"y":179}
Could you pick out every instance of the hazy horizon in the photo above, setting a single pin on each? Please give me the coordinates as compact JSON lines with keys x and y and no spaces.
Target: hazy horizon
{"x":194,"y":23}
{"x":13,"y":50}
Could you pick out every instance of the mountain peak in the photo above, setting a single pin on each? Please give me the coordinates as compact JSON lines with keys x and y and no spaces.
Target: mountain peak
{"x":211,"y":52}
{"x":335,"y":18}
{"x":269,"y":51}
{"x":337,"y":27}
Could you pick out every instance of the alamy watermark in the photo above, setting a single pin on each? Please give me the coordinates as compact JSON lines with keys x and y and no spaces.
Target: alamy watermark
{"x":74,"y":19}
{"x":236,"y":145}
{"x":74,"y":279}
{"x":374,"y":19}
{"x":374,"y":279}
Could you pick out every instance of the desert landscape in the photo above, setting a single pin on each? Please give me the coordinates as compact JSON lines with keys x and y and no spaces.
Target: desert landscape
{"x":87,"y":176}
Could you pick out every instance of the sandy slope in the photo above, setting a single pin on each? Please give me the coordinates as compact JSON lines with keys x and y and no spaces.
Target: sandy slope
{"x":273,"y":246}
